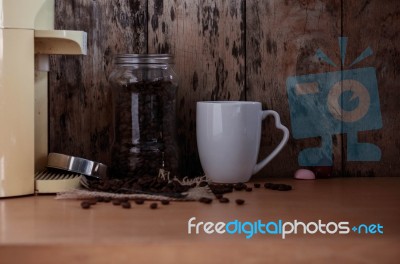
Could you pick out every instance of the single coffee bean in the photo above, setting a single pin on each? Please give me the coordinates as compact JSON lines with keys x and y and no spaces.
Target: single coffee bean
{"x":92,"y":202}
{"x":107,"y":199}
{"x":205,"y":200}
{"x":221,"y":188}
{"x":249,"y":189}
{"x":224,"y":200}
{"x":239,"y":186}
{"x":100,"y":199}
{"x":116,"y":202}
{"x":126,"y":205}
{"x":218,"y":196}
{"x":268,"y":185}
{"x":164,"y":202}
{"x":257,"y":185}
{"x":153,"y":205}
{"x":275,"y":186}
{"x":203,"y":184}
{"x":280,"y":187}
{"x":85,"y":205}
{"x":284,"y":187}
{"x":289,"y":187}
{"x":239,"y":201}
{"x":139,"y":201}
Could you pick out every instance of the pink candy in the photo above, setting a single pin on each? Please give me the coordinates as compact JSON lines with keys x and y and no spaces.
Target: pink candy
{"x":303,"y":174}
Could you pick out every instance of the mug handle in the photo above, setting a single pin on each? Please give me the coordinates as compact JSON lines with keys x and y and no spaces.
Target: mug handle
{"x":285,"y":138}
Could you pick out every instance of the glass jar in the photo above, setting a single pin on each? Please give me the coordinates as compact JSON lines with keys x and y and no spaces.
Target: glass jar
{"x":144,"y":105}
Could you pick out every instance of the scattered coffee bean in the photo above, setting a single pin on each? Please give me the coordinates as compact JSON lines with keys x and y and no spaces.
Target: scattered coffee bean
{"x":221,"y":188}
{"x":203,"y":184}
{"x":164,"y":202}
{"x":239,"y":201}
{"x":153,"y":205}
{"x":257,"y":185}
{"x":278,"y":186}
{"x":218,"y":196}
{"x":268,"y":185}
{"x":275,"y":187}
{"x":100,"y":199}
{"x":249,"y":189}
{"x":92,"y":202}
{"x":116,"y":202}
{"x":224,"y":200}
{"x":85,"y":204}
{"x":126,"y":205}
{"x":284,"y":187}
{"x":139,"y":201}
{"x":239,"y":186}
{"x":205,"y":200}
{"x":107,"y":199}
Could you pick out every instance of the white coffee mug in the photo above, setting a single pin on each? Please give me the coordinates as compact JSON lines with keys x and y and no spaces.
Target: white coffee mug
{"x":228,"y":139}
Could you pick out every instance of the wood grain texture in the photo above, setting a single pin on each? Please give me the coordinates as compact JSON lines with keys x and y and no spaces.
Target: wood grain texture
{"x":207,"y":39}
{"x":40,"y":229}
{"x":282,"y":38}
{"x":79,"y":94}
{"x":376,"y":24}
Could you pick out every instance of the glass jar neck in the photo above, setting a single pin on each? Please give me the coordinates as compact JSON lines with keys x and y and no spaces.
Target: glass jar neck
{"x":144,"y":60}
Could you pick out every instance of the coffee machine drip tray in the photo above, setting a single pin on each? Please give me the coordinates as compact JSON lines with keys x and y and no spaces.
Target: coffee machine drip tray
{"x":53,"y":181}
{"x":64,"y":172}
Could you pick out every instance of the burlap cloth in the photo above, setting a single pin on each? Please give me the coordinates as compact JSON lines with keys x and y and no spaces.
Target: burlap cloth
{"x":193,"y":194}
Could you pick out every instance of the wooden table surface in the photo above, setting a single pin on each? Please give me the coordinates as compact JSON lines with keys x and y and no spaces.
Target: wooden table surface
{"x":40,"y":229}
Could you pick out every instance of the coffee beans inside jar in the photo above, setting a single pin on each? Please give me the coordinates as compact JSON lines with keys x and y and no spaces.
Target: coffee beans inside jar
{"x":144,"y":92}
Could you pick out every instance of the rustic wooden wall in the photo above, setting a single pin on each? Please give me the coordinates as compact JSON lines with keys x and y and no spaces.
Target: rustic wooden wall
{"x":207,"y":39}
{"x":79,"y":94}
{"x":281,"y":40}
{"x":225,"y":50}
{"x":377,"y":24}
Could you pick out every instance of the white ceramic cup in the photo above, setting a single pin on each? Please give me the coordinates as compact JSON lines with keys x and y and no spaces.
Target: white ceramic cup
{"x":228,"y":139}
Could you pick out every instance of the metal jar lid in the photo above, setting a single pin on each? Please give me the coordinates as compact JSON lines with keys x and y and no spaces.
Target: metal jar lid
{"x":77,"y":165}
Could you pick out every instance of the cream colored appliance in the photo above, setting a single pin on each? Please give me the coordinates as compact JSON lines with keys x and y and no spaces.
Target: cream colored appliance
{"x":27,"y":37}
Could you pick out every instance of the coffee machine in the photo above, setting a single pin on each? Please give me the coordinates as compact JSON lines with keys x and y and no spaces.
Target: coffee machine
{"x":27,"y":38}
